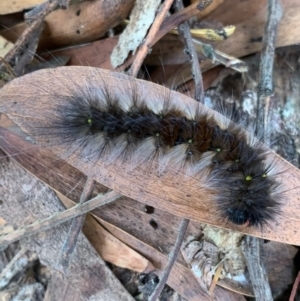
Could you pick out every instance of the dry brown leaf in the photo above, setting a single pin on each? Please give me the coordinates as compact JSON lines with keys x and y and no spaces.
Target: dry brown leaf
{"x":86,"y":21}
{"x":125,"y":214}
{"x":9,"y":7}
{"x":130,"y":216}
{"x":184,"y":198}
{"x":28,"y":200}
{"x":109,"y":247}
{"x":278,"y":260}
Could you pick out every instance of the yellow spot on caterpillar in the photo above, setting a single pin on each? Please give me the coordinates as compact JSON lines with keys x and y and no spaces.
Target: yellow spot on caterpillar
{"x":157,"y":134}
{"x":90,"y":121}
{"x":248,"y":178}
{"x":190,"y":141}
{"x":264,"y":175}
{"x":218,"y":150}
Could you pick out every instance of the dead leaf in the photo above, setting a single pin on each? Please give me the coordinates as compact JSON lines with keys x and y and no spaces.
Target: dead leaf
{"x":87,"y":21}
{"x":124,"y":215}
{"x":28,"y":200}
{"x":109,"y":247}
{"x":181,"y":196}
{"x":9,"y":7}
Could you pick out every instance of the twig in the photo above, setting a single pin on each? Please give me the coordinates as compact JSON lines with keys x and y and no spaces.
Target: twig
{"x":172,"y":258}
{"x":58,"y":218}
{"x":257,"y":271}
{"x":41,"y":11}
{"x":265,"y":86}
{"x":177,"y":18}
{"x":6,"y":270}
{"x":29,"y":39}
{"x":64,"y":4}
{"x":17,"y":58}
{"x":184,"y":31}
{"x":295,"y":287}
{"x":218,"y":57}
{"x":167,"y":25}
{"x":144,"y":49}
{"x":216,"y":278}
{"x":77,"y":223}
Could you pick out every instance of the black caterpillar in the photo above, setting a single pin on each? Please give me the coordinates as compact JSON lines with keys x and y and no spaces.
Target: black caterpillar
{"x":240,"y":169}
{"x":113,"y":123}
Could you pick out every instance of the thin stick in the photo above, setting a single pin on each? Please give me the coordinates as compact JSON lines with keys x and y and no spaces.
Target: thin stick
{"x":216,"y":278}
{"x":167,"y":25}
{"x":77,"y":223}
{"x":172,"y":258}
{"x":184,"y":31}
{"x":257,"y":271}
{"x":11,"y":263}
{"x":143,"y":50}
{"x":295,"y":287}
{"x":58,"y":218}
{"x":42,"y":10}
{"x":29,"y":38}
{"x":265,"y":87}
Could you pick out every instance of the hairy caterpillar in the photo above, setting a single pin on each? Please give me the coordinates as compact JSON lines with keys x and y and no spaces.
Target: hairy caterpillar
{"x":106,"y":118}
